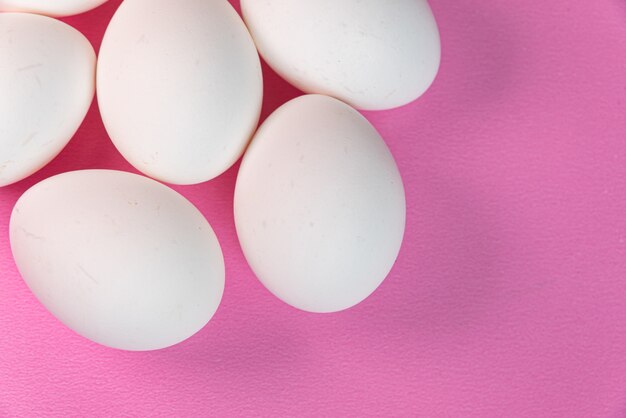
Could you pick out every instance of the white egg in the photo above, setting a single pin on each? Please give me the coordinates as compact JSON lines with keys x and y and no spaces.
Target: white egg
{"x":56,"y":8}
{"x":47,"y":82}
{"x":372,"y":54}
{"x":179,"y":87}
{"x":319,"y":205}
{"x":119,"y":258}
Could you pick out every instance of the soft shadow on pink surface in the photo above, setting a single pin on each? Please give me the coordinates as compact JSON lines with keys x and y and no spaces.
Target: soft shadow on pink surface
{"x":507,"y":297}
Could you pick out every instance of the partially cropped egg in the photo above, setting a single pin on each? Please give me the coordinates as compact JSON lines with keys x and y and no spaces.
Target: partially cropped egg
{"x":319,"y":205}
{"x":119,"y":258}
{"x":56,"y":8}
{"x":179,"y":87}
{"x":372,"y":54}
{"x":47,"y":82}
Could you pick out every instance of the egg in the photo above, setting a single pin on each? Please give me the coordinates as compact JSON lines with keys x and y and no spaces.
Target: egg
{"x":56,"y":8}
{"x":119,"y":258}
{"x":47,"y":82}
{"x":371,"y":54}
{"x":319,"y":205}
{"x":179,"y":87}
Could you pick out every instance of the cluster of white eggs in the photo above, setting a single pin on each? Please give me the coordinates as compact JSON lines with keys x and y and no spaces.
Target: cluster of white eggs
{"x":319,"y":203}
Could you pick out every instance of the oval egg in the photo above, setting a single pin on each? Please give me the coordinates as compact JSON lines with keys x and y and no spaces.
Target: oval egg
{"x":319,"y":205}
{"x":56,"y":8}
{"x":119,"y":258}
{"x":47,"y":81}
{"x":371,"y":54}
{"x":179,"y":87}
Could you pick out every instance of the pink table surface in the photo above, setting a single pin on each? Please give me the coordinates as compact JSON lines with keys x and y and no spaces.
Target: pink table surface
{"x":509,"y":294}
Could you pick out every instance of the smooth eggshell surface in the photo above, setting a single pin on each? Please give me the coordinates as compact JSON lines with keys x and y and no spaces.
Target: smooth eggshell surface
{"x":47,"y":81}
{"x":179,"y":87}
{"x":56,"y":8}
{"x":121,"y":259}
{"x":372,"y":54}
{"x":319,"y":205}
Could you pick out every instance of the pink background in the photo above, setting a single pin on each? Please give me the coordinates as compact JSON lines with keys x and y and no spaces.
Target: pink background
{"x":509,"y":295}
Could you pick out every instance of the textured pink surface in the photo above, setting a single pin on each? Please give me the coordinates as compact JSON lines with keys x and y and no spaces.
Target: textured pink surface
{"x":508,"y":298}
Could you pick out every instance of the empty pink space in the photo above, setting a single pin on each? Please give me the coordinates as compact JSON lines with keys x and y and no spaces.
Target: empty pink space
{"x":508,"y":297}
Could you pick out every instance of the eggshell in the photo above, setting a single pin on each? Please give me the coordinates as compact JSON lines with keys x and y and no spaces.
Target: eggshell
{"x":121,"y":259}
{"x":319,"y":205}
{"x":372,"y":54}
{"x":56,"y":8}
{"x":179,"y":87}
{"x":47,"y":82}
